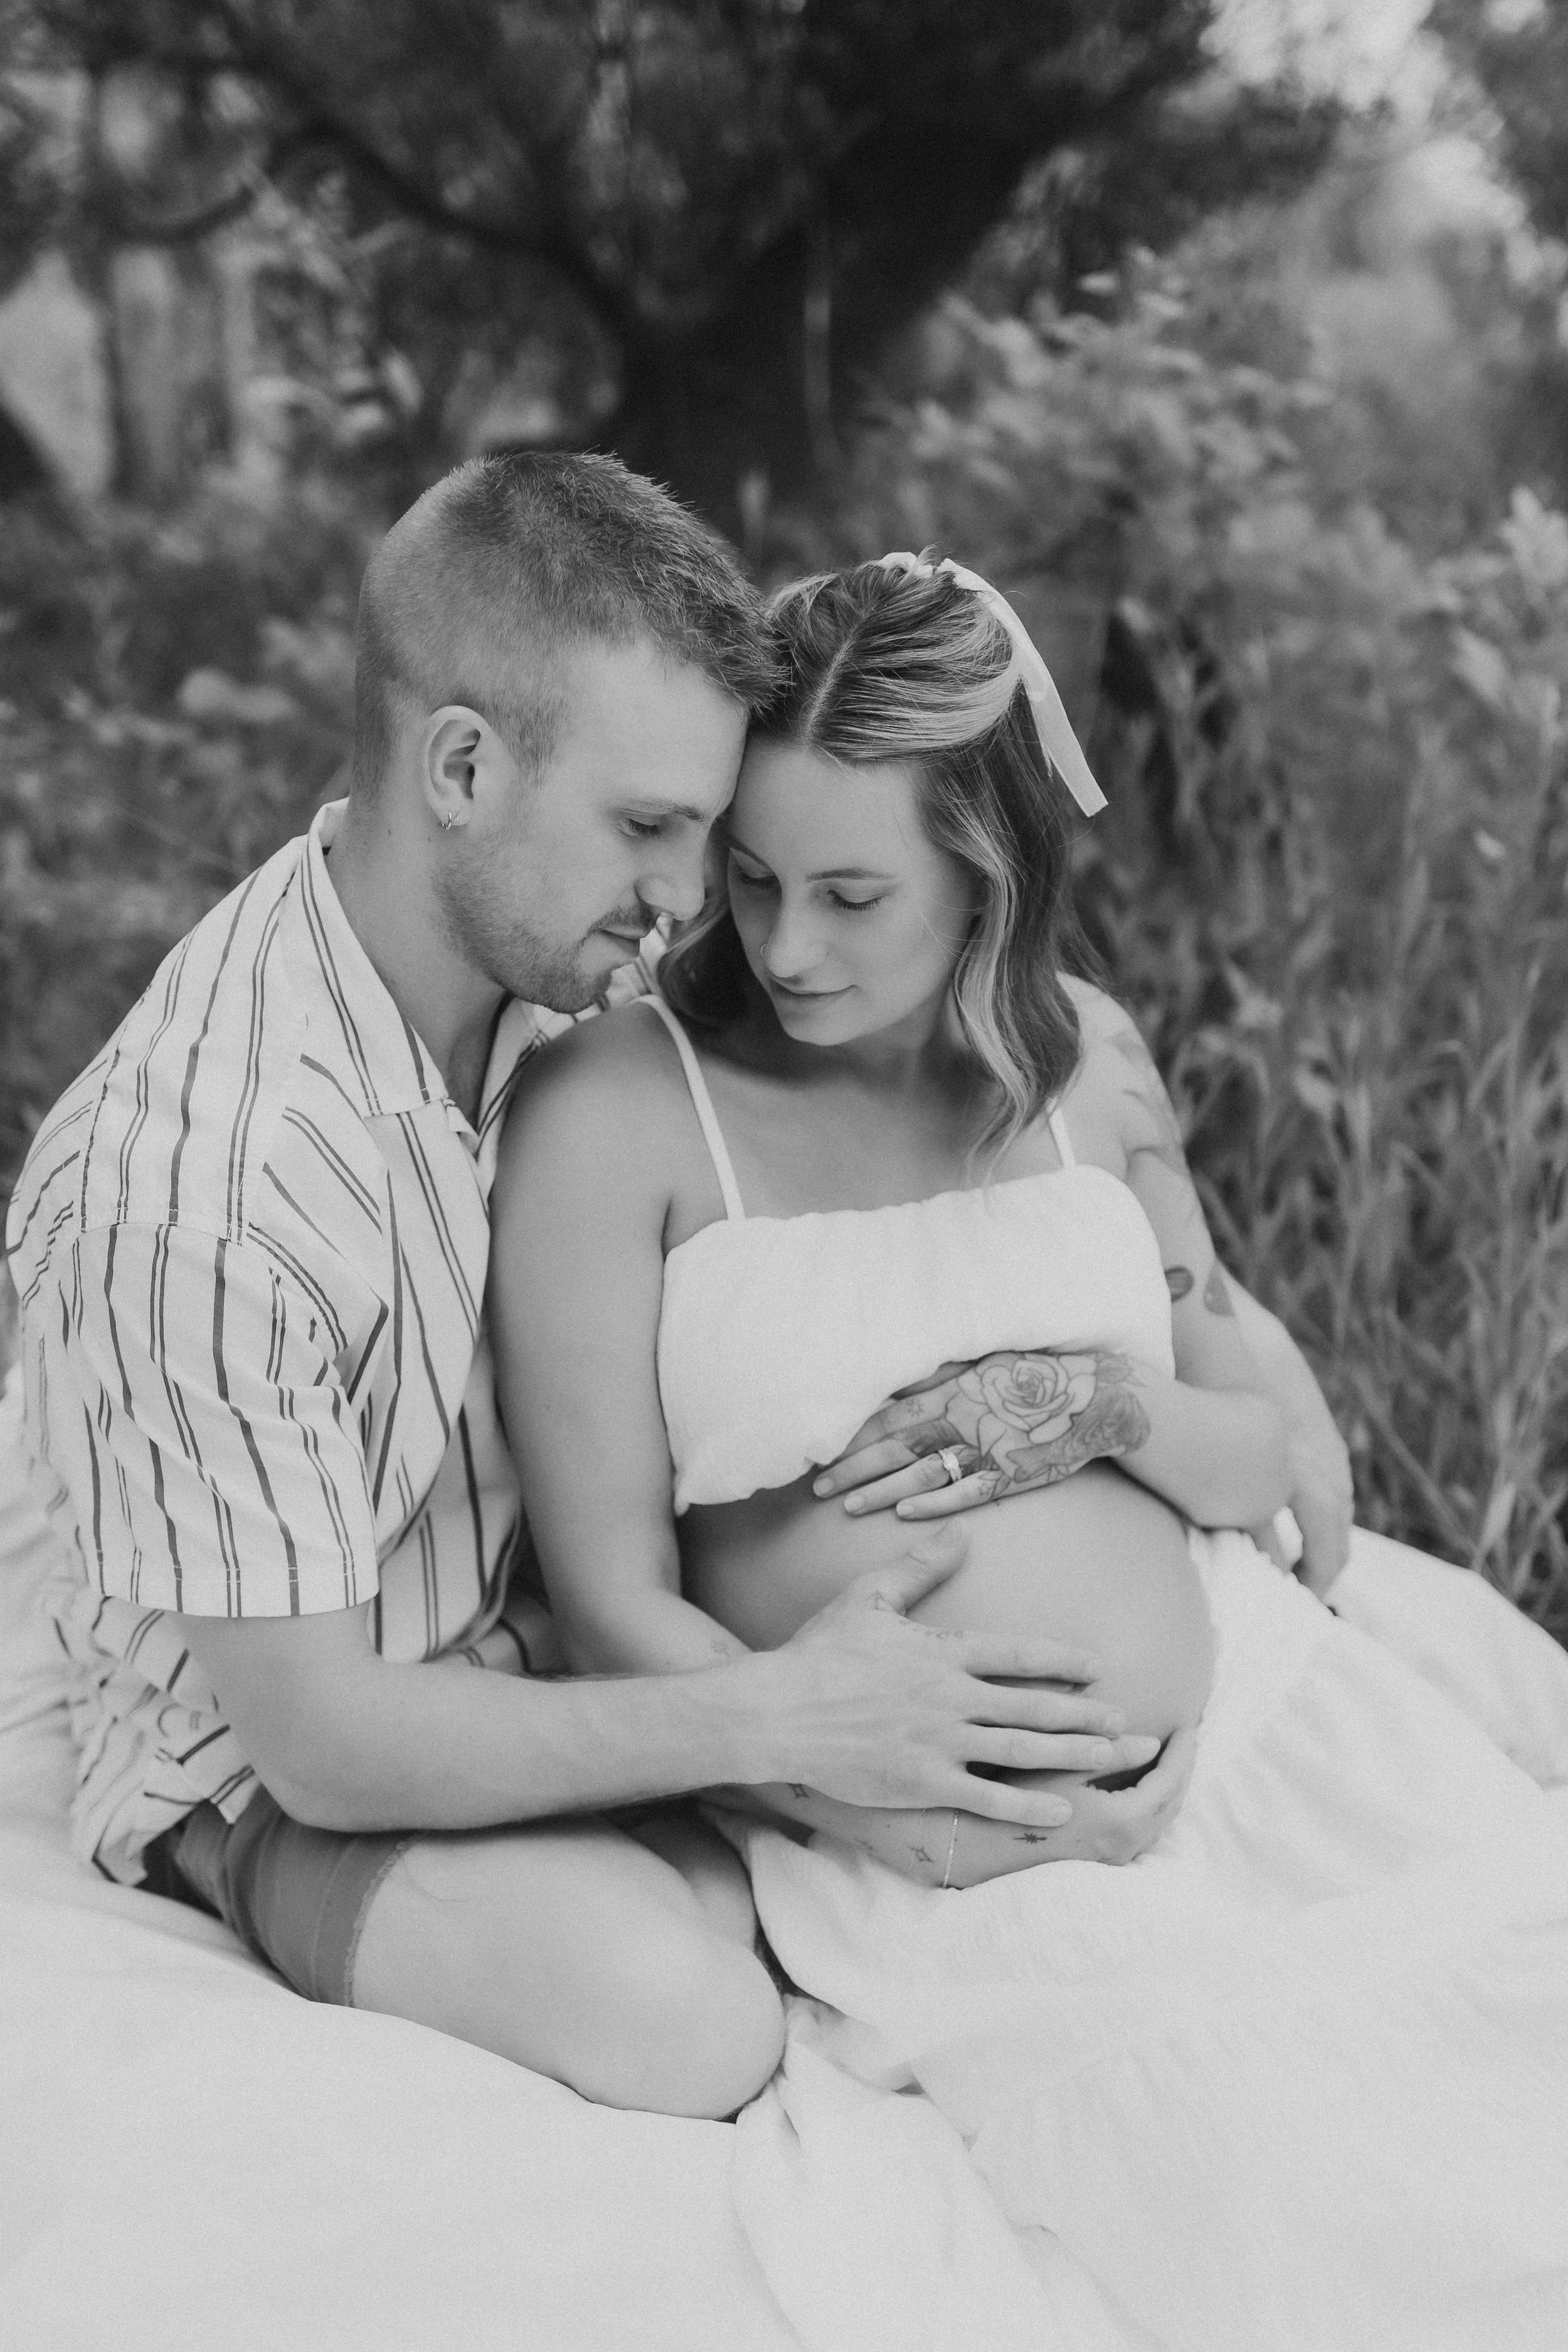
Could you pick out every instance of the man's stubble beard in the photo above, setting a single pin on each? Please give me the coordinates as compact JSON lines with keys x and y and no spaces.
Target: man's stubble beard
{"x":489,"y":938}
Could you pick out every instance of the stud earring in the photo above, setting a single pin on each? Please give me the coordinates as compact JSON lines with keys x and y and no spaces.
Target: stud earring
{"x":449,"y":820}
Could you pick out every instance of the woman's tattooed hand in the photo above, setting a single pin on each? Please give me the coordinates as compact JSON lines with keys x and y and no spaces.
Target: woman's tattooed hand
{"x":1014,"y":1421}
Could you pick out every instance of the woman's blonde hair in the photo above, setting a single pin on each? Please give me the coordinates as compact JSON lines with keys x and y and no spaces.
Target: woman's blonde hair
{"x":882,"y":666}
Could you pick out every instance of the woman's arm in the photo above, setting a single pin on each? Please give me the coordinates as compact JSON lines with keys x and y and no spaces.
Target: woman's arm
{"x":1211,"y":1441}
{"x":1323,"y":1495}
{"x":941,"y":1846}
{"x":1020,"y":1419}
{"x":581,"y":1192}
{"x":1235,"y":1430}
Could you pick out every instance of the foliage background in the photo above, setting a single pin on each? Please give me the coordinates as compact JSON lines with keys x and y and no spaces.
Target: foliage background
{"x":1282,"y":499}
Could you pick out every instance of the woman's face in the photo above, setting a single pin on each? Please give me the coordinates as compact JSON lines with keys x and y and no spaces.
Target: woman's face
{"x":849,"y":919}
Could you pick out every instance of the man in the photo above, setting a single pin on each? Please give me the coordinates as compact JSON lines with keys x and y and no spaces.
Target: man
{"x":251,"y":1245}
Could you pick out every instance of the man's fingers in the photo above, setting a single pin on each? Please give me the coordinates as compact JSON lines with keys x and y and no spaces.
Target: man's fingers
{"x":1049,"y":1751}
{"x":1033,"y":1710}
{"x":919,"y":1570}
{"x":1026,"y":1658}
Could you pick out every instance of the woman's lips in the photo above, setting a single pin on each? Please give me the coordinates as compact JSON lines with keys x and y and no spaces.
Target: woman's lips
{"x":805,"y":996}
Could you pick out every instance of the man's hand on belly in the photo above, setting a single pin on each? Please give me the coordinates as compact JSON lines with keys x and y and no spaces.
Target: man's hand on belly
{"x":1009,"y":1422}
{"x":935,"y":1704}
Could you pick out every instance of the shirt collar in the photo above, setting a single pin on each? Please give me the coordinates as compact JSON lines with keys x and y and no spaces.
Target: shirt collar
{"x":379,"y":1056}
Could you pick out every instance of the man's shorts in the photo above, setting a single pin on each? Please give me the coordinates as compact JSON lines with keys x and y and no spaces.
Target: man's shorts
{"x":297,"y":1897}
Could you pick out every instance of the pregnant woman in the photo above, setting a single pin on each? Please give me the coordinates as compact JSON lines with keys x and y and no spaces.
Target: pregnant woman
{"x":1296,"y":2078}
{"x":890,"y":1134}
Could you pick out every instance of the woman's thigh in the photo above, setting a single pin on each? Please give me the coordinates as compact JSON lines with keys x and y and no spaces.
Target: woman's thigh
{"x":577,"y":1949}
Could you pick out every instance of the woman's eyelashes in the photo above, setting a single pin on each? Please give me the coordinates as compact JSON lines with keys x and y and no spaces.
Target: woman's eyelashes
{"x":643,"y":828}
{"x":758,"y":883}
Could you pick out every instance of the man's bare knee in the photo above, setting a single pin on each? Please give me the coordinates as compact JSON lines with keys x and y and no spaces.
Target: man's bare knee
{"x":694,"y":2026}
{"x":580,"y":1955}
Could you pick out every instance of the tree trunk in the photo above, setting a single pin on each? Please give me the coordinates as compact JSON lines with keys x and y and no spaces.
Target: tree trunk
{"x":167,"y":317}
{"x":770,"y":387}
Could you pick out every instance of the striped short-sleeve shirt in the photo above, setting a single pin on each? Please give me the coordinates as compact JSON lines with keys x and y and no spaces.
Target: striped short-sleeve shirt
{"x":250,"y":1246}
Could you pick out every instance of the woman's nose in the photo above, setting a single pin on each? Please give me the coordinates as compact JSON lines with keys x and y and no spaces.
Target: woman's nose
{"x":790,"y":948}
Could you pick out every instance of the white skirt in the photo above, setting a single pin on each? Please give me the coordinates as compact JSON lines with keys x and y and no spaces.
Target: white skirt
{"x":1295,"y":2081}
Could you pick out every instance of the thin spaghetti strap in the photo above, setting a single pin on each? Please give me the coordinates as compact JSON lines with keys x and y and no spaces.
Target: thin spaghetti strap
{"x":702,"y":1104}
{"x":1060,"y":1137}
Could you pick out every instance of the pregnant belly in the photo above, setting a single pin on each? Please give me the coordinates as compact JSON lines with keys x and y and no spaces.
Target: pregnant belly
{"x":1097,"y":1561}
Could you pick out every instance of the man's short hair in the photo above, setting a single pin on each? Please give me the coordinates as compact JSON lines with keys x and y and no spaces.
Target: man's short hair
{"x":509,"y":560}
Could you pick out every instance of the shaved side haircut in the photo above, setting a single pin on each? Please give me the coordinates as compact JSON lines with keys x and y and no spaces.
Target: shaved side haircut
{"x":509,"y":562}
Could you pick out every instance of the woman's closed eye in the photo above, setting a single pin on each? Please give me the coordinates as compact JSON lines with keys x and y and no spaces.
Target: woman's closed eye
{"x":741,"y":879}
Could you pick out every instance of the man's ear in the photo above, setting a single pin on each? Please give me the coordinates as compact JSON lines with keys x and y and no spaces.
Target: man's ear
{"x":457,"y":746}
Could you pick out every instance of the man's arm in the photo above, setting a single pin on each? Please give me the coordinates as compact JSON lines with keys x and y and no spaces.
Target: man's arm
{"x":862,"y":1705}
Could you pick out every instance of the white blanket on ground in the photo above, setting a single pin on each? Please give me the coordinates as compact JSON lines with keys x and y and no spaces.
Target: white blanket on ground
{"x":192,"y":2156}
{"x":1296,"y":2081}
{"x":188,"y":2150}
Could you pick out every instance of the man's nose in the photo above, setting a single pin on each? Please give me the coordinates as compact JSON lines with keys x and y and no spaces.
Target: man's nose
{"x":678,"y":889}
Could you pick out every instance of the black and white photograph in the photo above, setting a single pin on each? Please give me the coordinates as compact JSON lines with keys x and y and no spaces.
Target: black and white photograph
{"x":783,"y":1144}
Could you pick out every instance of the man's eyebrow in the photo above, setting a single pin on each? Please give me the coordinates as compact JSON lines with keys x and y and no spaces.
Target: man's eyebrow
{"x":825,"y":873}
{"x":670,"y":808}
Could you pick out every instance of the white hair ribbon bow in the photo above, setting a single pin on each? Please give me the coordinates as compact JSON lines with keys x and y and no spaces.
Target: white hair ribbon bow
{"x":1059,"y":743}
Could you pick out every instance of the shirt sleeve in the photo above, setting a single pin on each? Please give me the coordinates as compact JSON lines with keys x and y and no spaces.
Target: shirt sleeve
{"x":202,"y":1430}
{"x":522,"y":1641}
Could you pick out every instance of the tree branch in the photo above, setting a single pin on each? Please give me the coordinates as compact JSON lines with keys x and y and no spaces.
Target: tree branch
{"x":327,"y":126}
{"x":128,"y":227}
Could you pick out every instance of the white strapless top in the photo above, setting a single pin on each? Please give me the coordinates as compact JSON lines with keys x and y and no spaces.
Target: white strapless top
{"x":778,"y":1336}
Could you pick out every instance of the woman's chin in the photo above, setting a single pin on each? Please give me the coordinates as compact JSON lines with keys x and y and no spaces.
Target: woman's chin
{"x":806,"y":1015}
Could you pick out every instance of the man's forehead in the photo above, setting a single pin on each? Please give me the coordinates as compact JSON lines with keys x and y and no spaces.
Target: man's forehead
{"x":636,"y":722}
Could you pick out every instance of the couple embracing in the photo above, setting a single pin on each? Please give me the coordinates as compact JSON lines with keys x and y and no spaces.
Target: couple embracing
{"x":369,"y":1300}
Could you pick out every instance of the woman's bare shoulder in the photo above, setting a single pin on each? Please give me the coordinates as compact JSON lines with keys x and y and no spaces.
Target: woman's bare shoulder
{"x":1100,"y":1015}
{"x":607,"y":1083}
{"x":1112,"y":1051}
{"x":1118,"y":1083}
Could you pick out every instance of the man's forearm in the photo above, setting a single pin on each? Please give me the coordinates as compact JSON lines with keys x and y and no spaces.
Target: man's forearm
{"x":346,"y":1740}
{"x":861,"y":1703}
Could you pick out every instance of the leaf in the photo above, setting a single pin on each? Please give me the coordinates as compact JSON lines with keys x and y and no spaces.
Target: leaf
{"x":1317,"y":1093}
{"x":1500,"y":1512}
{"x":1479,"y":665}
